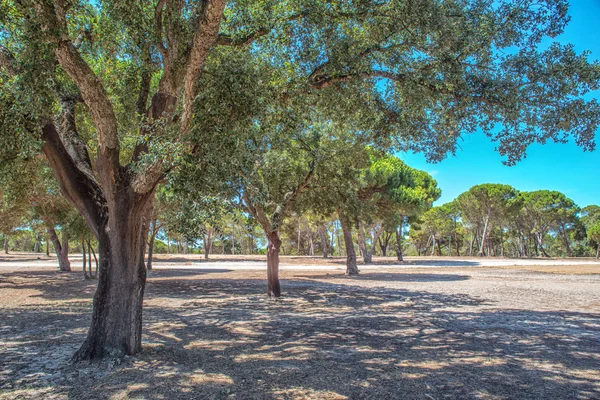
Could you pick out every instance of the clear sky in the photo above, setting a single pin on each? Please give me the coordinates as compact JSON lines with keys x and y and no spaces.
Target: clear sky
{"x":562,"y":167}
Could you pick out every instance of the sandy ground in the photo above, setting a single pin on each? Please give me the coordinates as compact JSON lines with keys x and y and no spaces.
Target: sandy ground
{"x":430,"y":328}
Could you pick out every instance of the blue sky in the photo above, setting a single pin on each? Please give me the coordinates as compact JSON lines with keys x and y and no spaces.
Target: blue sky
{"x":562,"y":167}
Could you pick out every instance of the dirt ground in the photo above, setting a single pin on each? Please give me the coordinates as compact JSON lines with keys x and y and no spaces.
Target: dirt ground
{"x":428,"y":329}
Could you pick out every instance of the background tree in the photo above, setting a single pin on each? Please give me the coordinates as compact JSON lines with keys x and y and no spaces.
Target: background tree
{"x":542,"y":211}
{"x":483,"y":206}
{"x":593,"y":233}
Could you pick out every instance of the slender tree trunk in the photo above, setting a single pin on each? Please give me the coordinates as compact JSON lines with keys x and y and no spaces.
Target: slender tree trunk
{"x":483,"y":235}
{"x":433,"y":245}
{"x":335,"y":235}
{"x":399,"y":244}
{"x":85,"y":273}
{"x":362,"y":245}
{"x":471,"y":244}
{"x":566,"y":241}
{"x":6,"y":240}
{"x":90,"y":260}
{"x":62,"y":250}
{"x":598,"y":251}
{"x":368,"y":258}
{"x":312,"y":244}
{"x":273,"y":247}
{"x":324,"y":241}
{"x":47,"y":246}
{"x":351,"y":266}
{"x":95,"y":262}
{"x":541,"y":244}
{"x":299,"y":238}
{"x":339,"y":243}
{"x":383,"y":243}
{"x":153,"y":234}
{"x":207,"y":244}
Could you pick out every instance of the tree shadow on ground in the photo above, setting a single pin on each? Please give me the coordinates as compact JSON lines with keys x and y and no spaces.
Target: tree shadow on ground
{"x":389,"y":277}
{"x":222,"y":338}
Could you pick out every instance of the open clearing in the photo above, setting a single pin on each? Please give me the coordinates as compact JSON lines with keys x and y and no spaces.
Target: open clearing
{"x":431,"y":328}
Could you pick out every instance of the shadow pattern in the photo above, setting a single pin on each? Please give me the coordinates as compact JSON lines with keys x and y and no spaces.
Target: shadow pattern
{"x":208,"y":338}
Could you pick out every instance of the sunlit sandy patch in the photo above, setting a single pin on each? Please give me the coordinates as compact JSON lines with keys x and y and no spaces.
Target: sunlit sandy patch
{"x":216,"y":345}
{"x":276,"y":356}
{"x":243,"y":330}
{"x":300,"y":393}
{"x":200,"y":378}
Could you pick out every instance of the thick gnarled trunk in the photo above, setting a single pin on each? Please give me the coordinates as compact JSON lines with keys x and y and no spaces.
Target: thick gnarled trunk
{"x":116,"y":328}
{"x":351,"y":266}
{"x":273,"y":246}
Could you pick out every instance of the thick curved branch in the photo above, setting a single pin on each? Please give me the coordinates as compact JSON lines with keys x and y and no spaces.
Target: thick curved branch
{"x":96,"y":98}
{"x":84,"y":193}
{"x":70,"y":137}
{"x":204,"y":39}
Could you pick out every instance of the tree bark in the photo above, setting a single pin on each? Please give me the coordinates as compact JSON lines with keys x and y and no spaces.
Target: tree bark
{"x":273,"y":246}
{"x":351,"y":266}
{"x":61,"y":250}
{"x":116,"y":328}
{"x":6,"y":240}
{"x":324,"y":241}
{"x":399,"y":244}
{"x":85,"y":273}
{"x":207,"y":244}
{"x":541,"y":244}
{"x":368,"y":257}
{"x":484,"y":234}
{"x":151,"y":245}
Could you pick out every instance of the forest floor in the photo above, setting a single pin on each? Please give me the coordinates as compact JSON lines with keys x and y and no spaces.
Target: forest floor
{"x":430,"y":328}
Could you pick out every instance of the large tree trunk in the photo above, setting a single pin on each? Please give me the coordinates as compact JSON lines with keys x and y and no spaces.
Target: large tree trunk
{"x":273,"y":246}
{"x":351,"y":266}
{"x":61,"y":249}
{"x":6,"y":240}
{"x":116,"y":328}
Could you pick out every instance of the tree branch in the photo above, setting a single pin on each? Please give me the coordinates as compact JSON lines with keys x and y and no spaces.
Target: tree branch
{"x":227,"y":40}
{"x":83,"y":192}
{"x":258,"y":213}
{"x":96,"y":99}
{"x":204,"y":39}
